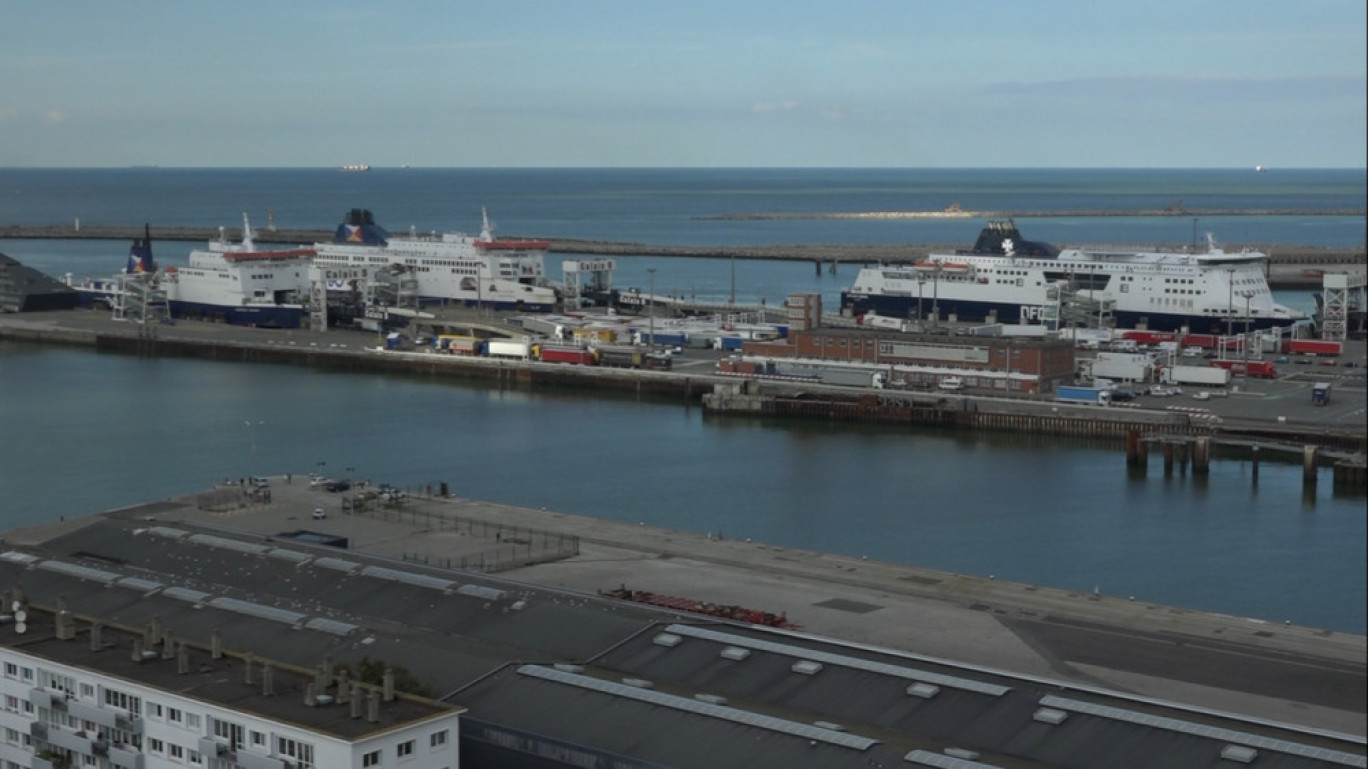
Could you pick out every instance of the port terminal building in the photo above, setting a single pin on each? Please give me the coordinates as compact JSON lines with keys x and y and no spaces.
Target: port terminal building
{"x":143,"y":639}
{"x":1013,"y":365}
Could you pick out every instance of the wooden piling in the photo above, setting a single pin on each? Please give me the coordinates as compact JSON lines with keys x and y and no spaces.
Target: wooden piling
{"x":1168,"y":457}
{"x":1201,"y":455}
{"x":1309,"y":452}
{"x":1133,"y":447}
{"x":1254,"y":458}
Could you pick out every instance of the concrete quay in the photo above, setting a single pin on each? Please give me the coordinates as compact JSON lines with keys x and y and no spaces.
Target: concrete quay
{"x":1277,"y":409}
{"x":1257,"y":668}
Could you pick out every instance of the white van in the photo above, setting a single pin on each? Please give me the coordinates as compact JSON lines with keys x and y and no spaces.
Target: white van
{"x":952,"y":383}
{"x":258,"y":482}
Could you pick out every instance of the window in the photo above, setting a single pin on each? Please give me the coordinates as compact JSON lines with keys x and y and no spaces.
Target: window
{"x":258,"y":738}
{"x":154,"y":710}
{"x":174,"y":715}
{"x":405,"y":749}
{"x":438,"y":739}
{"x":123,"y":701}
{"x":371,"y":759}
{"x":192,"y":721}
{"x":300,"y":751}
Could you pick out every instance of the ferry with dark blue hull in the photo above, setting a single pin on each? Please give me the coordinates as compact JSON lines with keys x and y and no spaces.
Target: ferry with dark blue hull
{"x":233,"y":283}
{"x":1013,"y":280}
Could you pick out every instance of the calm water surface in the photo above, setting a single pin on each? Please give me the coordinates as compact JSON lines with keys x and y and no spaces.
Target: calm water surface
{"x":88,"y":431}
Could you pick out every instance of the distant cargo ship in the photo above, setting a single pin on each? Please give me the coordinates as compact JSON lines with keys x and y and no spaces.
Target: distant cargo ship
{"x":356,"y":167}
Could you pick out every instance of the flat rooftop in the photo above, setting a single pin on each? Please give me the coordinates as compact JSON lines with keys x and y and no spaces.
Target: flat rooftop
{"x":565,"y":669}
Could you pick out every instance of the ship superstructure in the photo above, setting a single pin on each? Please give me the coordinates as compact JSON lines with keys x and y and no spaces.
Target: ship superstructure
{"x":1010,"y":279}
{"x":448,"y":267}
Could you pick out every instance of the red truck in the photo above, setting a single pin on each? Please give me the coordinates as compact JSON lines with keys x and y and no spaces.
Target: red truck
{"x":1311,"y":347}
{"x":1259,"y":369}
{"x":578,"y":355}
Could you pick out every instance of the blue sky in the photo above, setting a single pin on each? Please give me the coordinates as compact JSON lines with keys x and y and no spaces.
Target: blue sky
{"x":896,"y":83}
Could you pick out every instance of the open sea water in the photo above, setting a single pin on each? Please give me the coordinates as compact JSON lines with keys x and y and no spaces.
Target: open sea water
{"x":82,"y":432}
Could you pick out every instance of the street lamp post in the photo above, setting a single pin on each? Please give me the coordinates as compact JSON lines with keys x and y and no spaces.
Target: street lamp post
{"x":935,"y":299}
{"x":921,"y":283}
{"x":650,"y":297}
{"x":1230,"y":301}
{"x":733,"y":280}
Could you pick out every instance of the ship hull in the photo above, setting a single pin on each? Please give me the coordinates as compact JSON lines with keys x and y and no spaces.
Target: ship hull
{"x":1010,"y":312}
{"x":286,"y":316}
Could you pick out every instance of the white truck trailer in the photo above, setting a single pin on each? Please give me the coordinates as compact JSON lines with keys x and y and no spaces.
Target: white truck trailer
{"x":1211,"y":376}
{"x":1123,"y":366}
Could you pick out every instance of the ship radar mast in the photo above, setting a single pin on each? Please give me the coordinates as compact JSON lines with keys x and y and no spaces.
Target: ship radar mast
{"x":247,"y":244}
{"x":486,"y":229}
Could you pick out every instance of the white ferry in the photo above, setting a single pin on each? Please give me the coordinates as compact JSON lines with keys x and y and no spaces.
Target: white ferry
{"x":1012,"y":279}
{"x":474,"y":270}
{"x":238,"y":283}
{"x":234,"y":283}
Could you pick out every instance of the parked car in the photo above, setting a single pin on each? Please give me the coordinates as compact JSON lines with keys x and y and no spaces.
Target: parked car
{"x":337,"y":486}
{"x":319,"y":514}
{"x":1202,"y":395}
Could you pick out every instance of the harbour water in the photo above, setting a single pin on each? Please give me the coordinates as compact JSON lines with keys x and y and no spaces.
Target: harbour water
{"x":86,"y":431}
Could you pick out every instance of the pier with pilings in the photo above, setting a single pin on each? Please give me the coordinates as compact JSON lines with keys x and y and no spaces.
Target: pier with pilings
{"x":1195,"y":452}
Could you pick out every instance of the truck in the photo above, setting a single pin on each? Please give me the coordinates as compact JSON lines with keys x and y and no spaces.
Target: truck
{"x":1213,"y":376}
{"x":632,"y":357}
{"x":1320,"y":394}
{"x":883,"y":321}
{"x":548,"y":353}
{"x":1099,"y":396}
{"x":1259,"y":369}
{"x":851,"y":377}
{"x":508,"y":348}
{"x":1125,"y":367}
{"x":1311,"y":347}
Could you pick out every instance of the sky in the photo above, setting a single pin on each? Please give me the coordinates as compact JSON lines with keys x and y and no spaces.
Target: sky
{"x":747,"y":83}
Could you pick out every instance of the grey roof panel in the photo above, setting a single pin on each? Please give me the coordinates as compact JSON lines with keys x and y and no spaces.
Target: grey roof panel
{"x":700,"y":707}
{"x":78,"y":571}
{"x":815,"y":656}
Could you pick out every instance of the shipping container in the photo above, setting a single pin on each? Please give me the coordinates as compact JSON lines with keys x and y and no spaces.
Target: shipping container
{"x":851,"y":377}
{"x":508,"y":348}
{"x":547,"y":353}
{"x":1100,"y":396}
{"x":1311,"y":347}
{"x":1200,"y":375}
{"x":1126,"y":367}
{"x":1259,"y":369}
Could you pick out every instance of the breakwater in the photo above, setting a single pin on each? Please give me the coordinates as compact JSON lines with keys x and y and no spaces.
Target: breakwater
{"x":1290,"y":256}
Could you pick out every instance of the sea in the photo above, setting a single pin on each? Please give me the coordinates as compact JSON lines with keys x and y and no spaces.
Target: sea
{"x":82,"y":432}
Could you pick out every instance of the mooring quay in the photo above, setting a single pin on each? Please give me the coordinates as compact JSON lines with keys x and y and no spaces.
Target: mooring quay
{"x":694,"y":379}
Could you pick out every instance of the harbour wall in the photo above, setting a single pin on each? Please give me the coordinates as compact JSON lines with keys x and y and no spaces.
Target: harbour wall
{"x":718,"y":394}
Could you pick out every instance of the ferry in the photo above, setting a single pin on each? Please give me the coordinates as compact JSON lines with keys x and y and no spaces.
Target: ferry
{"x":240,"y":284}
{"x":1018,"y":281}
{"x":438,"y":268}
{"x":234,"y":283}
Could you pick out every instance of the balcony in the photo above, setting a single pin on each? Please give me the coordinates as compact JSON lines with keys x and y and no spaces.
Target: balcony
{"x":125,"y":757}
{"x":97,"y":715}
{"x":80,"y":742}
